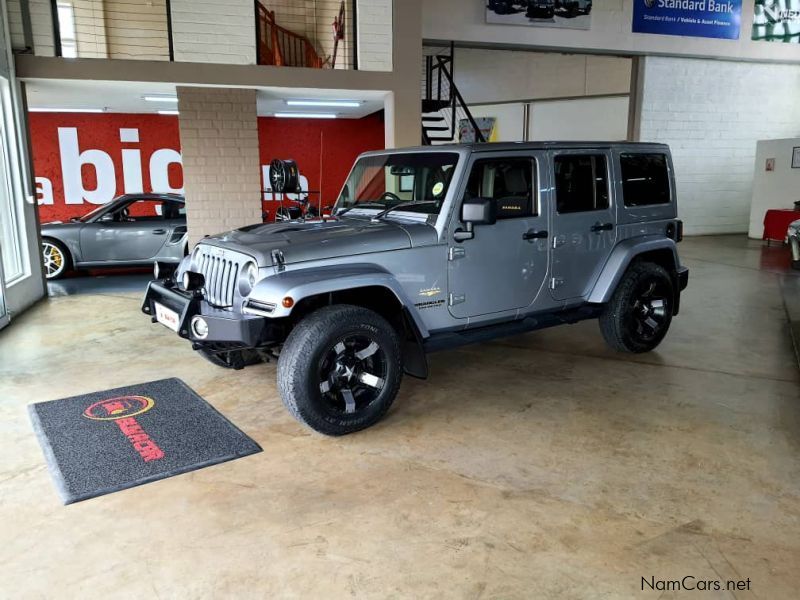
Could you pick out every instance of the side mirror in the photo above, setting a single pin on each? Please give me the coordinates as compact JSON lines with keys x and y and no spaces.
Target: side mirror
{"x":475,"y":211}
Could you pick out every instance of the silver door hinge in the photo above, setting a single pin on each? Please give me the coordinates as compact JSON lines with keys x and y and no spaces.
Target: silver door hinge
{"x":455,"y":253}
{"x":559,"y":240}
{"x":457,"y":299}
{"x":556,"y":282}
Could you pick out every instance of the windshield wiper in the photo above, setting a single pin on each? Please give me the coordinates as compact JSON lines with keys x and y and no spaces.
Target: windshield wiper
{"x":403,"y":205}
{"x":360,"y":205}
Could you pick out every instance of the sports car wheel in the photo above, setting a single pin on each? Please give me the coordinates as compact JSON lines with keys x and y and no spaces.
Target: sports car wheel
{"x":340,"y":369}
{"x":640,"y":312}
{"x":54,"y":258}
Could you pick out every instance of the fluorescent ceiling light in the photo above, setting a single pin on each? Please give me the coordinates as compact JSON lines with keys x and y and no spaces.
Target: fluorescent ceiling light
{"x":336,"y":103}
{"x":293,"y":115}
{"x":168,"y":112}
{"x":161,"y":98}
{"x":67,"y":110}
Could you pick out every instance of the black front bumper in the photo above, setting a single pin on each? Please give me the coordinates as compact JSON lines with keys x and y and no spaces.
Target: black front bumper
{"x":683,"y":278}
{"x":224,"y":326}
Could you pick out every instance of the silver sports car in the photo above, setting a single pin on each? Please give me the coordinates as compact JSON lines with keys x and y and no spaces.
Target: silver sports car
{"x":131,"y":230}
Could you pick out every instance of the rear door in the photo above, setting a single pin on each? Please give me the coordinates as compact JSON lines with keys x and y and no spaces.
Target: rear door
{"x":584,"y":223}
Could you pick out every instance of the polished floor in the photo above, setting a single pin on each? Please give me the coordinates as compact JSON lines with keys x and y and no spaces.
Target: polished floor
{"x":542,"y":466}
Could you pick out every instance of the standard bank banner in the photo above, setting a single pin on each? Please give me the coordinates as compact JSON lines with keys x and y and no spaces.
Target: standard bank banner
{"x":696,"y":18}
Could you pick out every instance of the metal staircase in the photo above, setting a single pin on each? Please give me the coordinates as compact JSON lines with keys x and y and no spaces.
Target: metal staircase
{"x":445,"y":116}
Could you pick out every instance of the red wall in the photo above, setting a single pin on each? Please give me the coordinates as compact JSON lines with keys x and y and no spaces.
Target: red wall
{"x":323,"y":149}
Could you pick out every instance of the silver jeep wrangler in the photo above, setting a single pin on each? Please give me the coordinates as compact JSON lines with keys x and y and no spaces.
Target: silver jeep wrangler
{"x":432,"y":248}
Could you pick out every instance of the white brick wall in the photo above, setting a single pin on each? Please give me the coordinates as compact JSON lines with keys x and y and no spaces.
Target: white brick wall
{"x":213,"y":31}
{"x":219,"y":146}
{"x":711,"y":113}
{"x":42,"y":26}
{"x":374,"y":35}
{"x":15,"y":24}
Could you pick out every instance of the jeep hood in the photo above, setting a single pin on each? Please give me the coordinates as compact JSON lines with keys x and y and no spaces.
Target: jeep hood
{"x":315,"y":240}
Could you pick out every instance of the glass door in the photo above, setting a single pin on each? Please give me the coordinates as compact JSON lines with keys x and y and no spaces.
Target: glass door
{"x":3,"y":309}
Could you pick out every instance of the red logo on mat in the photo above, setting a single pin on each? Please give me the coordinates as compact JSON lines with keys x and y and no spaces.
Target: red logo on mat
{"x":122,"y":411}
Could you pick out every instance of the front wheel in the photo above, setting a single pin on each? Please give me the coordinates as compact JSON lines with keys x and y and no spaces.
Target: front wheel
{"x":640,"y":312}
{"x":340,"y":369}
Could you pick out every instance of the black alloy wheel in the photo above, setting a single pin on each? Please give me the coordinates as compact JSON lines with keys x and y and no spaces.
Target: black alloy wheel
{"x":352,"y":374}
{"x":340,"y":369}
{"x":640,"y":312}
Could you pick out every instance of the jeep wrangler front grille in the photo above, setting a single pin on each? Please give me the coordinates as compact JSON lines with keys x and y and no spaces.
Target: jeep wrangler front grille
{"x":221,"y":272}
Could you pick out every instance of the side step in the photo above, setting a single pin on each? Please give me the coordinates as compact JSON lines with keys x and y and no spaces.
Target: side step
{"x":453,"y":339}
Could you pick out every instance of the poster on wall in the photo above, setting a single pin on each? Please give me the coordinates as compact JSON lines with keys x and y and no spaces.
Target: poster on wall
{"x":82,"y":161}
{"x":466,"y":133}
{"x":776,"y":21}
{"x":694,"y":18}
{"x":565,"y":14}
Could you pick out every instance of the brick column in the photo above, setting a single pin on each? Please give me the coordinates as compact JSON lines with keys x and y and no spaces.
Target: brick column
{"x":221,"y":166}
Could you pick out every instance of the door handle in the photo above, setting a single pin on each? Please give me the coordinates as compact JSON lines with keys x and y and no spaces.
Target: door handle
{"x":159,"y":231}
{"x":535,"y":235}
{"x":598,"y":227}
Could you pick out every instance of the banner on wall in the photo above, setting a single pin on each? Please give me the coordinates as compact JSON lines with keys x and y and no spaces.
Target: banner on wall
{"x":81,"y":161}
{"x":776,"y":21}
{"x":564,"y":14}
{"x":694,"y":18}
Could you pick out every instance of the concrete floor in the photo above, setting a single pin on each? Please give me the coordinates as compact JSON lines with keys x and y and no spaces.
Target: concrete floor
{"x":542,"y":466}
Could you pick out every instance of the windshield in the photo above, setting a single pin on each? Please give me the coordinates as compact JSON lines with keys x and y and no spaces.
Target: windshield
{"x":386,"y":181}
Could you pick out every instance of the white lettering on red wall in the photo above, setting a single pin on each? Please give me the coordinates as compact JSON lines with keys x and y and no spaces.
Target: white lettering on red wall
{"x":84,"y":160}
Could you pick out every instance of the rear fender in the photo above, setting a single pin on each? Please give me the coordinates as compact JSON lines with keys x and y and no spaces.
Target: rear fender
{"x":621,"y":257}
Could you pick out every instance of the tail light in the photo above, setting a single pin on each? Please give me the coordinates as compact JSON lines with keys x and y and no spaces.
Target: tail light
{"x":675,"y":230}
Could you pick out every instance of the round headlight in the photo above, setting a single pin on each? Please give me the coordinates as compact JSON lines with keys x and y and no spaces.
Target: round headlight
{"x":248,"y":278}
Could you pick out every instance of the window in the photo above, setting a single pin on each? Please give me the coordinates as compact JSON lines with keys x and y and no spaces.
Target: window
{"x":11,"y":235}
{"x":149,"y":210}
{"x":507,"y":181}
{"x":581,"y":183}
{"x":66,"y":27}
{"x":645,"y":179}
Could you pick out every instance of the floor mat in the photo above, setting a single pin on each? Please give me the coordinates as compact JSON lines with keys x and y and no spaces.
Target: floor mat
{"x":108,"y":441}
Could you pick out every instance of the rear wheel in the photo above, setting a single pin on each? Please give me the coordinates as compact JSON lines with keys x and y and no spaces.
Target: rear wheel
{"x":340,"y":369}
{"x":55,"y":258}
{"x":640,"y":312}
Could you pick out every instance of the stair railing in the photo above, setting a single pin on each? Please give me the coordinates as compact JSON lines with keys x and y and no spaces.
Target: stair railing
{"x":440,"y":86}
{"x":280,"y":47}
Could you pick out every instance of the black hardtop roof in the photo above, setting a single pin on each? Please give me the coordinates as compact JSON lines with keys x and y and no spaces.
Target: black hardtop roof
{"x":503,"y":146}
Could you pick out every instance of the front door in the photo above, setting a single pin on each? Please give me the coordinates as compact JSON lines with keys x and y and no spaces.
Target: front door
{"x":133,"y":232}
{"x":584,"y":225}
{"x":504,"y":265}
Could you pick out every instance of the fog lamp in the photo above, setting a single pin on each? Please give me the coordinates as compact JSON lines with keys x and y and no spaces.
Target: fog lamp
{"x":163,"y":270}
{"x":199,"y":327}
{"x":193,"y":281}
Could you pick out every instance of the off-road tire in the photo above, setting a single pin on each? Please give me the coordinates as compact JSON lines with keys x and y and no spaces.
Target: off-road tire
{"x":302,"y":356}
{"x":616,"y":321}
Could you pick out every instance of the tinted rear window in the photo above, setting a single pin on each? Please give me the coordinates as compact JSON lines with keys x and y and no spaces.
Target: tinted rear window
{"x":645,"y":179}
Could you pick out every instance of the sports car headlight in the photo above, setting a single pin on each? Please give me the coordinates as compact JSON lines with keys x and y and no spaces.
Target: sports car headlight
{"x":248,"y":278}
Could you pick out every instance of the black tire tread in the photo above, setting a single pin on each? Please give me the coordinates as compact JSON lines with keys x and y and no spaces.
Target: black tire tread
{"x":293,"y":363}
{"x":612,"y":318}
